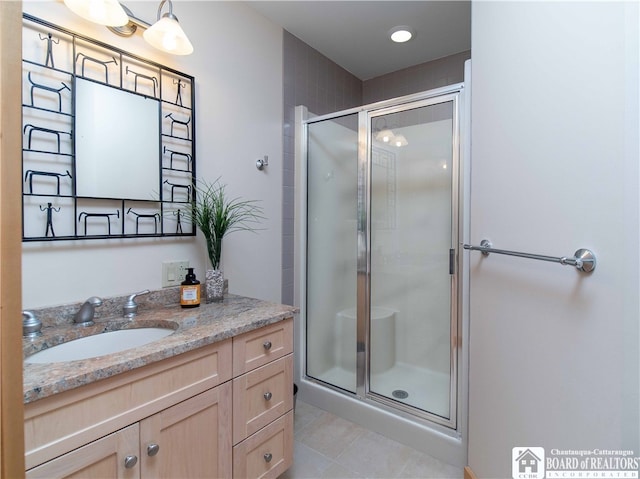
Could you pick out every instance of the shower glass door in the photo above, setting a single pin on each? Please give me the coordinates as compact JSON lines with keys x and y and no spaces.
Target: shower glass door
{"x":332,"y":192}
{"x":381,"y":248}
{"x":412,"y":237}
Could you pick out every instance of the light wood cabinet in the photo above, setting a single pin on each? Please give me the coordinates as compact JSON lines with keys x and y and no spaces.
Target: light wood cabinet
{"x":263,"y":402}
{"x":190,"y":439}
{"x":100,"y":459}
{"x":221,"y":411}
{"x":267,"y":453}
{"x":261,"y":346}
{"x":66,"y":421}
{"x":262,"y":396}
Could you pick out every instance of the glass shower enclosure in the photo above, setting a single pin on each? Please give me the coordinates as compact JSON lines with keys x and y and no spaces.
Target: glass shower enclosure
{"x":382,"y":222}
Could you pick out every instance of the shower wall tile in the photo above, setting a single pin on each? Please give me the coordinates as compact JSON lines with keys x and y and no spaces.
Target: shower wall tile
{"x":288,"y":245}
{"x":417,"y":78}
{"x":288,"y":174}
{"x":288,"y":198}
{"x":310,"y":79}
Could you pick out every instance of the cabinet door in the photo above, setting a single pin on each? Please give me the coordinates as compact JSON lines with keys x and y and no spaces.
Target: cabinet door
{"x":189,"y":440}
{"x":101,"y":459}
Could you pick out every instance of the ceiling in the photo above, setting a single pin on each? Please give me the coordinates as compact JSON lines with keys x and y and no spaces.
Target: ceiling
{"x":354,"y":33}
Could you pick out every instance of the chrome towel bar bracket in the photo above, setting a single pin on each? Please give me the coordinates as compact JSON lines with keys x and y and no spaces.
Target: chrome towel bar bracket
{"x":583,"y":259}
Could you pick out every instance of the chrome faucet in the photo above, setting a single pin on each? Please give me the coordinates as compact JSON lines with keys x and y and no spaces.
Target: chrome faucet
{"x":130,"y":308}
{"x":84,"y":316}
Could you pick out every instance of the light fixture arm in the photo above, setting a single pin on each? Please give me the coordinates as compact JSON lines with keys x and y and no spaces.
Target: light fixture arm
{"x":170,"y":14}
{"x":132,"y":26}
{"x":141,"y":23}
{"x":135,"y":20}
{"x":182,"y":47}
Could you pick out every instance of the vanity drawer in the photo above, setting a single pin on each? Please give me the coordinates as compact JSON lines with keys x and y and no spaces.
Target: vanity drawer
{"x":257,"y":348}
{"x":266,"y":454}
{"x":261,"y":396}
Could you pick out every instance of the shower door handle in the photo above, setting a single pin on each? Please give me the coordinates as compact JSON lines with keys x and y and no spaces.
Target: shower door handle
{"x":452,"y":261}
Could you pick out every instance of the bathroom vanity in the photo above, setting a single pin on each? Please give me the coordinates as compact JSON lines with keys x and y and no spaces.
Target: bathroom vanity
{"x":213,"y":399}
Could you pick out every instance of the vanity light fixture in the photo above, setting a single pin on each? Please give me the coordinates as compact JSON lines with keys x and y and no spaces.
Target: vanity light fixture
{"x":390,"y":138}
{"x":400,"y":140}
{"x":401,"y":34}
{"x":383,"y":132}
{"x":103,"y":12}
{"x":165,"y":34}
{"x":385,"y":136}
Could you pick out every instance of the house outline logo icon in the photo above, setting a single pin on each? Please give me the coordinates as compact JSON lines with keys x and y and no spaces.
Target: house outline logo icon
{"x":528,"y":462}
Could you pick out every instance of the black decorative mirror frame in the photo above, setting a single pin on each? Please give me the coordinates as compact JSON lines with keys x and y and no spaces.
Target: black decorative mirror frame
{"x":108,"y":140}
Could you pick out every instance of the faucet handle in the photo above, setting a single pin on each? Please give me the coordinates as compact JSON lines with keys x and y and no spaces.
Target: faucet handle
{"x":94,"y":301}
{"x":130,"y":308}
{"x":31,"y":325}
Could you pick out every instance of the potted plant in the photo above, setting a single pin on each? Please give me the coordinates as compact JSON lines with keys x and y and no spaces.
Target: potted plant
{"x":217,"y":215}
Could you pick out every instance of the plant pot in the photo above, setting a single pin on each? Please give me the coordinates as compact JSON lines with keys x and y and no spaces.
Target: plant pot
{"x":214,"y":286}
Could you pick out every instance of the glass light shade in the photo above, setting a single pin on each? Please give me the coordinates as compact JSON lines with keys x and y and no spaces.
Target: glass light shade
{"x":167,"y":35}
{"x":386,"y":136}
{"x":103,"y":12}
{"x":400,"y":140}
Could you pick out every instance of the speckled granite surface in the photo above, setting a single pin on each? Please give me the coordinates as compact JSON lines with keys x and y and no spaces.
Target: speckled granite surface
{"x":195,"y":328}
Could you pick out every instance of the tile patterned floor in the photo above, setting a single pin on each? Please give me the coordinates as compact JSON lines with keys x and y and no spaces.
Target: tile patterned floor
{"x":327,"y":446}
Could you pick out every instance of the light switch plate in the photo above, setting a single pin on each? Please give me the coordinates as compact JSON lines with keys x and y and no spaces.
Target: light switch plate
{"x":173,"y":272}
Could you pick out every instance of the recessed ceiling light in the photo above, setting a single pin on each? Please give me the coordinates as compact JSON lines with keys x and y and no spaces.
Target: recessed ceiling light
{"x":401,"y":34}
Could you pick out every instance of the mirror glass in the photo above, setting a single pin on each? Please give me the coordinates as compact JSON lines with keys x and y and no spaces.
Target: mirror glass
{"x":116,"y":143}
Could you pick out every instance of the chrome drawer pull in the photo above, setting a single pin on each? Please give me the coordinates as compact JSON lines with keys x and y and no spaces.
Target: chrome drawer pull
{"x":268,"y":457}
{"x":267,"y":396}
{"x":152,"y":449}
{"x":267,"y":345}
{"x":130,"y":461}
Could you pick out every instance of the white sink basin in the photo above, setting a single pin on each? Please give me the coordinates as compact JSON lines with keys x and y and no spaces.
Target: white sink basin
{"x":99,"y":345}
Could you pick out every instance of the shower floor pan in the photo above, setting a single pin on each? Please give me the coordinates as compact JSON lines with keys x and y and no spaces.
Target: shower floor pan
{"x":426,"y":389}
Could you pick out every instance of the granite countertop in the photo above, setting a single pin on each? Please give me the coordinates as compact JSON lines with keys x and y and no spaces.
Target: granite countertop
{"x":195,"y":328}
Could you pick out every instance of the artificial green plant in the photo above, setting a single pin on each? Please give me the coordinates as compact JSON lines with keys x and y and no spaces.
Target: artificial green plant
{"x":217,"y":215}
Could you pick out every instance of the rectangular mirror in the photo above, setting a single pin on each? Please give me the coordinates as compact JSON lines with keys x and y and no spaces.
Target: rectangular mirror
{"x":116,"y":141}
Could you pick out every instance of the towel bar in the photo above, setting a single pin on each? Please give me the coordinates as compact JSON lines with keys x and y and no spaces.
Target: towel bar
{"x":583,"y":259}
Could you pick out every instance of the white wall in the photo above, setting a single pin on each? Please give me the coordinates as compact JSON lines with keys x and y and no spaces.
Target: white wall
{"x":554,"y":353}
{"x":237,"y":64}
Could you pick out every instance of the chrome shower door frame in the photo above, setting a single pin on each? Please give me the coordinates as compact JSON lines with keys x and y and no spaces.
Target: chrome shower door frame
{"x":451,"y":93}
{"x":363,"y":358}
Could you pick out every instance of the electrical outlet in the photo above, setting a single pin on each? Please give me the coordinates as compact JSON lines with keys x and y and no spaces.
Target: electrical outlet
{"x":173,"y":272}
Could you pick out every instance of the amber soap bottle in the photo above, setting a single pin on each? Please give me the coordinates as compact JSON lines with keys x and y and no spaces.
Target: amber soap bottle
{"x":190,"y":291}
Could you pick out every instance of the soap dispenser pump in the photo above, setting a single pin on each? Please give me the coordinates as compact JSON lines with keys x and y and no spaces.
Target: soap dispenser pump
{"x":190,"y":291}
